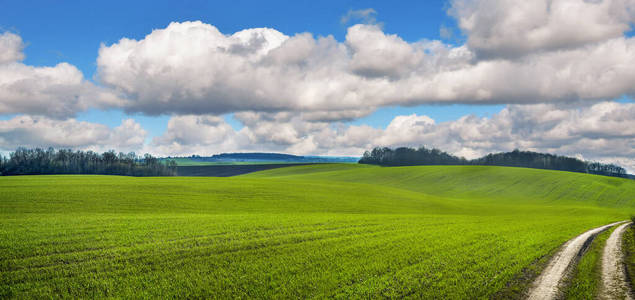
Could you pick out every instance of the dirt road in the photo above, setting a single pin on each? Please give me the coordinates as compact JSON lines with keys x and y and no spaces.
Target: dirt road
{"x":614,"y":285}
{"x":547,"y":284}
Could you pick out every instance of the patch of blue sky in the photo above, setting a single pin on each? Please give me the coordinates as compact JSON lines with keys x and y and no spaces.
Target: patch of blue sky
{"x":233,"y":122}
{"x":625,"y":99}
{"x":7,"y":117}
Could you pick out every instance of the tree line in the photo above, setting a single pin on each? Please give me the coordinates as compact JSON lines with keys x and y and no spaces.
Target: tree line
{"x":65,"y":161}
{"x":404,"y":156}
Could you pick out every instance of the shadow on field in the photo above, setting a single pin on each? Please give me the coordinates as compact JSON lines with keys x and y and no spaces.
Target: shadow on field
{"x":227,"y":170}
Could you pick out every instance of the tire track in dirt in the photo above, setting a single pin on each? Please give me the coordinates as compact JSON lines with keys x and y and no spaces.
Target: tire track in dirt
{"x":547,"y":285}
{"x":614,"y":285}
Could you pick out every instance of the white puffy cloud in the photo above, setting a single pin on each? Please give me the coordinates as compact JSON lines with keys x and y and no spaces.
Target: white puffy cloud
{"x":192,"y":68}
{"x":511,"y":28}
{"x":195,"y":134}
{"x":10,"y":48}
{"x":375,"y":54}
{"x":604,"y":132}
{"x":205,"y":135}
{"x":59,"y":91}
{"x":555,"y":51}
{"x":43,"y":132}
{"x":601,"y":130}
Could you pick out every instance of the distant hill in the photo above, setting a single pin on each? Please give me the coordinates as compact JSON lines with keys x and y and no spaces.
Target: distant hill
{"x":405,"y":156}
{"x":258,"y":158}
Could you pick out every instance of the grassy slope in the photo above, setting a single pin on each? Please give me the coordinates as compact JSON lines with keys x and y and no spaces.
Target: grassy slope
{"x":628,"y":246}
{"x":501,"y":185}
{"x":313,"y":231}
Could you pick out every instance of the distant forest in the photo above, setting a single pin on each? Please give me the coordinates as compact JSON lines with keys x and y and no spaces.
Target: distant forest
{"x":415,"y":157}
{"x":38,"y":161}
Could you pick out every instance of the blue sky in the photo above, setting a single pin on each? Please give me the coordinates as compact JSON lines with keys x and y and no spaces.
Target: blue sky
{"x":467,"y":76}
{"x":72,"y":31}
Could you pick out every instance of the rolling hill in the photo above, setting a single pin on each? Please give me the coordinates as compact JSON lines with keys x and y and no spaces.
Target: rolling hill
{"x":486,"y":183}
{"x":336,"y":230}
{"x":250,"y":158}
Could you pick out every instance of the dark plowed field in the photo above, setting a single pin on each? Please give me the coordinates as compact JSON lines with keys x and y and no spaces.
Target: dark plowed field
{"x":227,"y":170}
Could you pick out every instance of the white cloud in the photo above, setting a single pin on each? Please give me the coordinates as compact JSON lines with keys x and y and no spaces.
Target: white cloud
{"x":375,"y":54}
{"x":59,"y":91}
{"x":10,"y":48}
{"x":195,"y":134}
{"x":31,"y":132}
{"x":367,"y":16}
{"x":510,"y":28}
{"x":192,"y":68}
{"x":604,"y":131}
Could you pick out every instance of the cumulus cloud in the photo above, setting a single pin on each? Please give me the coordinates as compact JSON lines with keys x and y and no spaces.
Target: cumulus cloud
{"x":375,"y":54}
{"x":598,"y":131}
{"x":10,"y":48}
{"x":192,"y":68}
{"x":59,"y":91}
{"x":43,"y":132}
{"x":189,"y":134}
{"x":277,"y":132}
{"x":552,"y":52}
{"x":603,"y":131}
{"x":509,"y":28}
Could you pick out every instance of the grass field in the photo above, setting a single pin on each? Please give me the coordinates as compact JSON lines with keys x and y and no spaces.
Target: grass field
{"x":628,"y":248}
{"x":339,"y":230}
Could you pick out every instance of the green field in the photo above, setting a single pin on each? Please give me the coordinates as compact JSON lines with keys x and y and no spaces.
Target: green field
{"x":333,"y":230}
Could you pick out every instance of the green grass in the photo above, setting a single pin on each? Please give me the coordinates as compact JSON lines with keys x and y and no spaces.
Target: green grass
{"x":628,"y":248}
{"x":343,"y":231}
{"x":586,"y":278}
{"x":495,"y":185}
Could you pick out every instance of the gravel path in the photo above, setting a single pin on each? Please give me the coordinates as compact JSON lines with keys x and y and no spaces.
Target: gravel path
{"x":614,"y":285}
{"x":547,"y":284}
